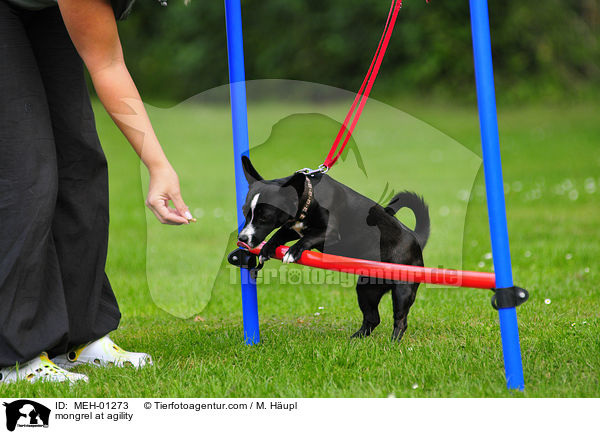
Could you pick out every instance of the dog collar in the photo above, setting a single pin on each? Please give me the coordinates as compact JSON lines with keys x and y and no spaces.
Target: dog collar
{"x":305,"y":200}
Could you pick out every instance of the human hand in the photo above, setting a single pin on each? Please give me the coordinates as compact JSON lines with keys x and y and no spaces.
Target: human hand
{"x":164,"y":186}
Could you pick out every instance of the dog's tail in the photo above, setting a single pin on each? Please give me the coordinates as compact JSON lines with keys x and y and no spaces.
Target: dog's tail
{"x":419,"y":208}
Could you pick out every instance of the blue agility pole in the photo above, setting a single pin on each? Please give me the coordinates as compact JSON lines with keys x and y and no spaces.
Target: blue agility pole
{"x":484,"y":75}
{"x":239,"y":119}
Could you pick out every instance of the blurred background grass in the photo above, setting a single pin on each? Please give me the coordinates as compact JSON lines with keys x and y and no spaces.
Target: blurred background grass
{"x":548,"y":50}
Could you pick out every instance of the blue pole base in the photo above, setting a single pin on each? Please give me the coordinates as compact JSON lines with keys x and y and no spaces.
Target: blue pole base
{"x":509,"y":330}
{"x":250,"y":308}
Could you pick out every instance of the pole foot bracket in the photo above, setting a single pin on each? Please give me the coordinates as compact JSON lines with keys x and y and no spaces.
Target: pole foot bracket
{"x":242,"y":258}
{"x":509,"y":297}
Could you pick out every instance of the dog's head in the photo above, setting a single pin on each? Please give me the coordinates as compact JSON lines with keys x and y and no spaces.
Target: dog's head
{"x":269,"y":204}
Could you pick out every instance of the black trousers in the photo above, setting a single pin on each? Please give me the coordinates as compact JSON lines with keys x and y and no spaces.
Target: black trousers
{"x":54,"y":293}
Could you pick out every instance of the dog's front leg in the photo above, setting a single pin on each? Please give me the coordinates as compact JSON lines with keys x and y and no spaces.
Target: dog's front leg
{"x":282,"y":236}
{"x":310,"y":239}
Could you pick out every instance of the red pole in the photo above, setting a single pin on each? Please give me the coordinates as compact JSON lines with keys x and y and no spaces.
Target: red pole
{"x":385,"y":270}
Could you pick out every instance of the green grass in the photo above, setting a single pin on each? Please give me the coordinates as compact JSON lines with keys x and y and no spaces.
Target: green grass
{"x":191,"y":322}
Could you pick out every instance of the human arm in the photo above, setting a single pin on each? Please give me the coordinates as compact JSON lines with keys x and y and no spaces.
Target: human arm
{"x":92,"y":27}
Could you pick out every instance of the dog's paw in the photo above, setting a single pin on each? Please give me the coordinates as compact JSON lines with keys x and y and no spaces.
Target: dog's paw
{"x":364,"y":330}
{"x":360,"y":334}
{"x":288,"y":258}
{"x":267,"y":252}
{"x":397,"y":334}
{"x":293,"y":254}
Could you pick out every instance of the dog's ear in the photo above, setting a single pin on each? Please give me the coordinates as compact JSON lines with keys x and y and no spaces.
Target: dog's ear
{"x":296,"y":181}
{"x":249,"y":171}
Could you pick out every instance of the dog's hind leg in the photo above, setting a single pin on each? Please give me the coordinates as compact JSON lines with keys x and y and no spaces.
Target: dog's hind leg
{"x":403,"y":296}
{"x":369,"y":296}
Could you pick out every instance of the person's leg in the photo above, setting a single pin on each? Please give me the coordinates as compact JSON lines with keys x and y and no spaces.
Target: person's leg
{"x":80,"y":226}
{"x":33,"y":314}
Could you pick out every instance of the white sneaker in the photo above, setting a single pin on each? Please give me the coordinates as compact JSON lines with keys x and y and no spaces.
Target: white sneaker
{"x":103,"y":352}
{"x":39,"y":369}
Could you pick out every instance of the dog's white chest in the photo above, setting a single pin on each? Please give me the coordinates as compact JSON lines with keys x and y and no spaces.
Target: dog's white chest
{"x":298,"y":227}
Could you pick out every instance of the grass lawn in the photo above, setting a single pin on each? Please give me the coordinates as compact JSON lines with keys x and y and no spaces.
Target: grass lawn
{"x":181,"y":303}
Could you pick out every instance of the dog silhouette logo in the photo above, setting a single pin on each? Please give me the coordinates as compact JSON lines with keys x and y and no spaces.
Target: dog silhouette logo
{"x":26,"y":413}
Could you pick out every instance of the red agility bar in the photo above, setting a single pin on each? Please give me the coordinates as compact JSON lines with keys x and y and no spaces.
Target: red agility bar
{"x":386,"y":270}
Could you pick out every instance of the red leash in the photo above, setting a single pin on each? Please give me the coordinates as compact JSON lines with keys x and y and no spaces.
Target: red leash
{"x":365,"y":89}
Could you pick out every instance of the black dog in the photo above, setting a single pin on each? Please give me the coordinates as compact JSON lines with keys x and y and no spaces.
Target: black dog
{"x":326,"y":215}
